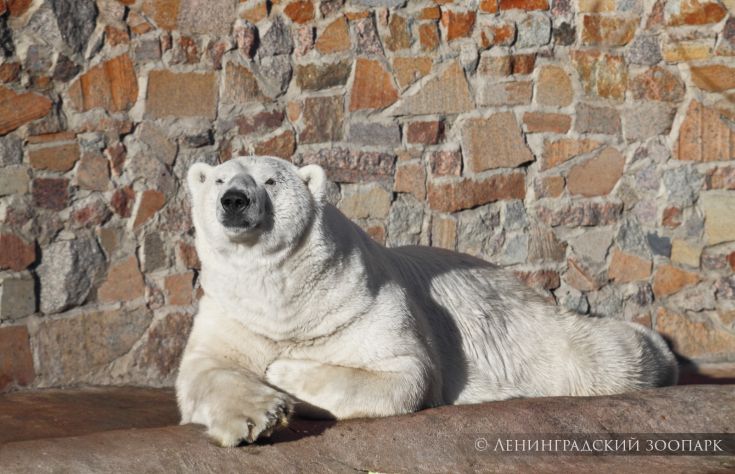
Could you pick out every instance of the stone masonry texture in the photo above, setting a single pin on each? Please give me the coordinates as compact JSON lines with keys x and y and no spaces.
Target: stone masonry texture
{"x":588,"y":145}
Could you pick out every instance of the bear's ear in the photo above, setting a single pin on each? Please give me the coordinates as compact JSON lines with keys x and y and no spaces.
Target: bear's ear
{"x":316,"y":180}
{"x":197,"y":175}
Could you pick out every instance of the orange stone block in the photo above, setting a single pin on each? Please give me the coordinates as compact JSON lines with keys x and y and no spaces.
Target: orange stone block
{"x":524,"y":5}
{"x":540,"y":122}
{"x":489,"y":6}
{"x":600,"y":30}
{"x":454,"y":195}
{"x":692,"y":338}
{"x":554,"y":87}
{"x":579,"y":277}
{"x":111,"y":85}
{"x":124,"y":282}
{"x":335,"y":37}
{"x":18,"y":109}
{"x":255,"y":13}
{"x":713,"y":78}
{"x":458,"y":24}
{"x":559,"y":151}
{"x":550,"y":186}
{"x":163,"y":12}
{"x":282,"y":145}
{"x":151,"y":201}
{"x":54,"y":158}
{"x":16,"y":365}
{"x":373,"y":86}
{"x":430,"y":13}
{"x":704,"y":136}
{"x":625,"y":267}
{"x":179,"y":288}
{"x":300,"y":11}
{"x":443,"y":232}
{"x":695,"y":12}
{"x":410,"y":69}
{"x":596,"y":176}
{"x":669,"y":280}
{"x":428,"y":36}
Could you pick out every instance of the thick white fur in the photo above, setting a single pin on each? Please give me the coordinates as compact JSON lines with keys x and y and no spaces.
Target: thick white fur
{"x":311,"y":311}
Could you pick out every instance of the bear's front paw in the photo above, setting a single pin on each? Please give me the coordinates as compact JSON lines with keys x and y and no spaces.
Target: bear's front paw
{"x":249,"y":419}
{"x":293,"y":376}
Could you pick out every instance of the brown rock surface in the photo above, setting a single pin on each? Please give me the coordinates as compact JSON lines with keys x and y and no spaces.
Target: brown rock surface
{"x":539,"y":122}
{"x":704,"y":135}
{"x":334,"y":38}
{"x":58,"y":413}
{"x":15,"y":253}
{"x":451,"y":196}
{"x":625,"y":267}
{"x":164,"y":343}
{"x":71,"y":350}
{"x":323,"y":119}
{"x":350,"y":166}
{"x":124,"y":282}
{"x":495,"y":142}
{"x":694,"y":338}
{"x":16,"y":361}
{"x":51,"y":193}
{"x":151,"y":201}
{"x":93,"y":172}
{"x":179,"y":288}
{"x":373,"y":86}
{"x":602,"y":74}
{"x":447,"y":162}
{"x":436,"y":440}
{"x":658,"y":83}
{"x":559,"y":151}
{"x":300,"y":11}
{"x":54,"y":158}
{"x":713,"y":78}
{"x":597,"y":176}
{"x":426,"y":133}
{"x":579,"y":277}
{"x":411,"y":178}
{"x":428,"y":36}
{"x":601,"y":30}
{"x":524,"y":4}
{"x":694,"y":12}
{"x":111,"y":85}
{"x":554,"y":87}
{"x":400,"y":36}
{"x":447,"y":92}
{"x":17,"y":109}
{"x":443,"y":232}
{"x":410,"y":69}
{"x":669,"y":280}
{"x":186,"y":94}
{"x":281,"y":145}
{"x":321,"y":76}
{"x":459,"y":24}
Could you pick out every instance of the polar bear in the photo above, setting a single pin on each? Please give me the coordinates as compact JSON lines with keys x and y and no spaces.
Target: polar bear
{"x":302,"y":310}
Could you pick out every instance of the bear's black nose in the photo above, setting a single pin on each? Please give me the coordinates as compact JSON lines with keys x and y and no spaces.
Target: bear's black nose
{"x":234,"y":201}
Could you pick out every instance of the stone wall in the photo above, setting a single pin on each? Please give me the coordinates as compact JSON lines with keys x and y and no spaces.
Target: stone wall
{"x":587,"y":144}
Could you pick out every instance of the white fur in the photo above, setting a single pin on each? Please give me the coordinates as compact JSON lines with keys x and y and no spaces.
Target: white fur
{"x":311,"y":311}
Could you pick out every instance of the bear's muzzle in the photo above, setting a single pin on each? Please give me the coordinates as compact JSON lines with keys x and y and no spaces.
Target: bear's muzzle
{"x":240,"y":206}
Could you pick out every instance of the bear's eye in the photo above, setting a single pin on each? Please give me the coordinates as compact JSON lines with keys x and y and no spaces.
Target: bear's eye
{"x":270,"y":182}
{"x":219,"y":181}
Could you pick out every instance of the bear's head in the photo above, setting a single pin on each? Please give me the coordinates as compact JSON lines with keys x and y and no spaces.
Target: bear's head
{"x":255,"y":201}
